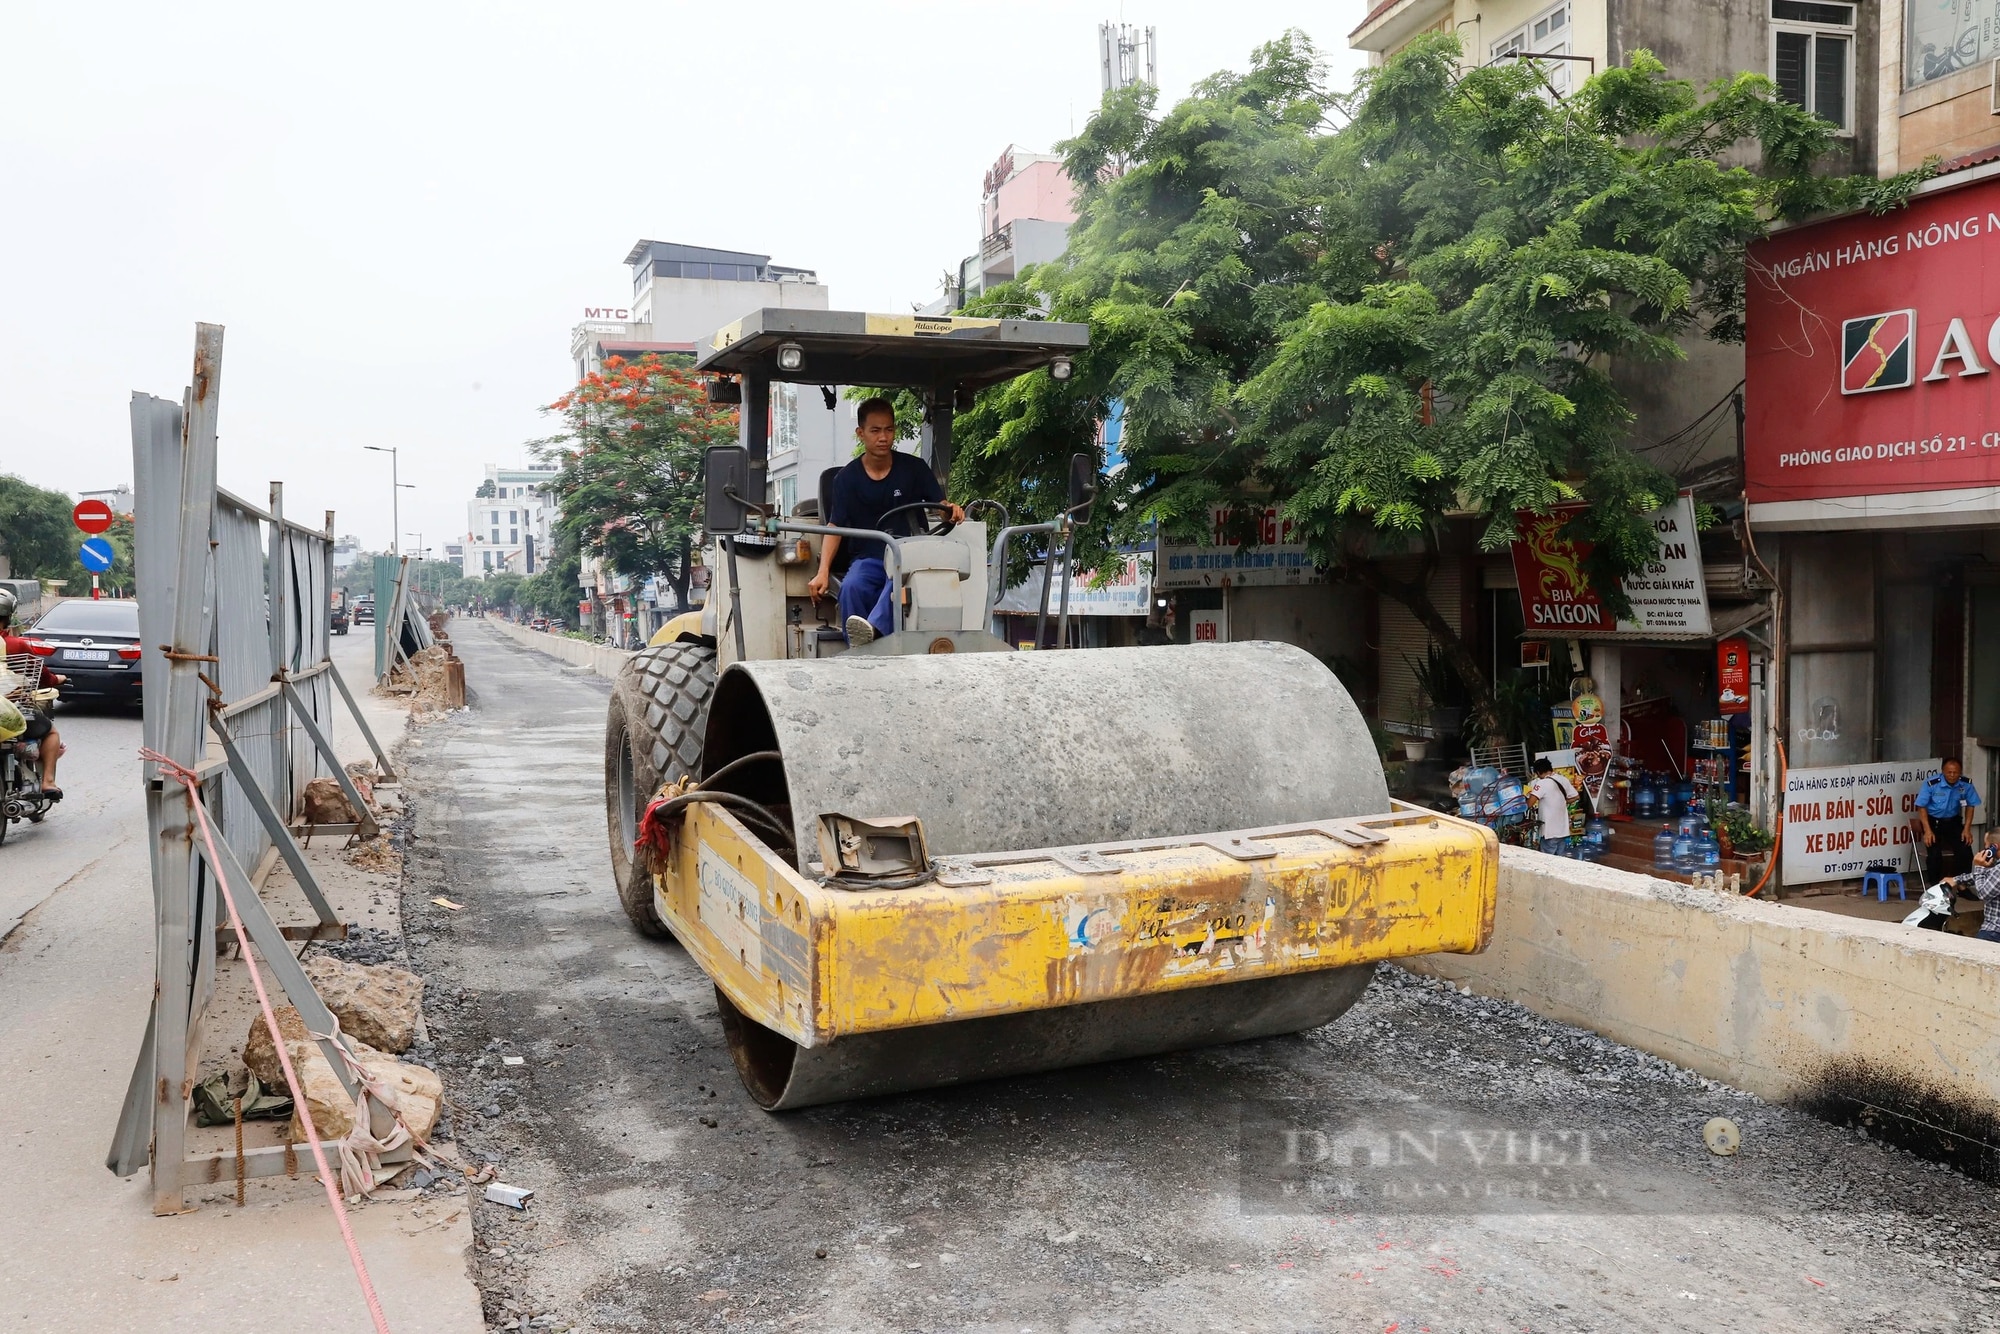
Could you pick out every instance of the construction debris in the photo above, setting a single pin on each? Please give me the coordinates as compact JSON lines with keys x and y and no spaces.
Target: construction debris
{"x":514,"y":1197}
{"x":415,"y":1091}
{"x":376,"y":1004}
{"x":432,"y":679}
{"x":378,"y":855}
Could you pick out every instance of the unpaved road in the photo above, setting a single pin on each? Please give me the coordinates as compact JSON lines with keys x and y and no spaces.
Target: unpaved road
{"x":1142,"y":1196}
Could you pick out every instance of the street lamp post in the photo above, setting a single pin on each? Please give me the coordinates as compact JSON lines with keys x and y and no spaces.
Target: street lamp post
{"x":395,"y":496}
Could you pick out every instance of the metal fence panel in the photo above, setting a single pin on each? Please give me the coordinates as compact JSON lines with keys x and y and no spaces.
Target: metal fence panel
{"x":233,"y":605}
{"x":308,"y":638}
{"x":243,"y":643}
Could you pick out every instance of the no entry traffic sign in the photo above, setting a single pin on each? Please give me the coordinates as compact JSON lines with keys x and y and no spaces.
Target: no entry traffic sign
{"x":93,"y":516}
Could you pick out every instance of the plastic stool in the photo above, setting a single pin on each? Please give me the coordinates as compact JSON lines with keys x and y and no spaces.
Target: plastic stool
{"x":1879,"y":881}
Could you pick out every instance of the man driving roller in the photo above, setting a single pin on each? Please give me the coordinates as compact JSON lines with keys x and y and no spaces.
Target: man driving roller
{"x":878,"y":481}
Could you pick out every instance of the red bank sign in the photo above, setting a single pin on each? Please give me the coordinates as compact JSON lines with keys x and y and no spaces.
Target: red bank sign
{"x":1873,"y":350}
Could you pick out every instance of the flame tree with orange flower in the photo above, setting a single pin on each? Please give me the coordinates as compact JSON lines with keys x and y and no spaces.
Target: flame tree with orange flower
{"x":630,"y":453}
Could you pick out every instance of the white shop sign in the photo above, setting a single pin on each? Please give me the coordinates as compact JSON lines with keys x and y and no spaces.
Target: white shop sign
{"x":1207,"y":627}
{"x":1840,"y":821}
{"x":1277,"y":558}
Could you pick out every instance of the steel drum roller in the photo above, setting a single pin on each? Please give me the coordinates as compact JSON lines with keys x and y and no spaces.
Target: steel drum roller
{"x":998,"y":752}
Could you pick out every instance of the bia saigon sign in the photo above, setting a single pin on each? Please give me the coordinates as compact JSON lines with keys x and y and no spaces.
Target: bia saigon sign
{"x":1668,"y":596}
{"x":1871,"y":350}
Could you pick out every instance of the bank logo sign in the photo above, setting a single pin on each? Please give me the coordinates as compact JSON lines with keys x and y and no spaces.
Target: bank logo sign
{"x":1877,"y":352}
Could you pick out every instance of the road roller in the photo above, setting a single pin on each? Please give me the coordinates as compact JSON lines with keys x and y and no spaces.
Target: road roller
{"x":933,"y":858}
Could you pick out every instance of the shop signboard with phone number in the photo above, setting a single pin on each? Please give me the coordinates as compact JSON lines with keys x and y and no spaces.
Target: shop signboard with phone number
{"x":1840,"y":821}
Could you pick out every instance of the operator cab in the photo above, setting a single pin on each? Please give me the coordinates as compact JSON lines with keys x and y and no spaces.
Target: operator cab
{"x":946,"y":581}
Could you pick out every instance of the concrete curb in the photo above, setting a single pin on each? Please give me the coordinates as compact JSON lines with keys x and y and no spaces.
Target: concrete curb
{"x":1788,"y":1003}
{"x":600,"y":658}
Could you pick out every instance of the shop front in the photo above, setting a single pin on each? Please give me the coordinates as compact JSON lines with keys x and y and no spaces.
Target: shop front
{"x":1108,"y":611}
{"x":1872,"y":474}
{"x":1657,"y":722}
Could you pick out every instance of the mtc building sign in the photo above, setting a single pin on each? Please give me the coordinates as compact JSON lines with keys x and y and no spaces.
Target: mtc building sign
{"x":1668,"y":597}
{"x":1871,"y":355}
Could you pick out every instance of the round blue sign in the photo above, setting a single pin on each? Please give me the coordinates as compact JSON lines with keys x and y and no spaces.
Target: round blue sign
{"x":96,"y":555}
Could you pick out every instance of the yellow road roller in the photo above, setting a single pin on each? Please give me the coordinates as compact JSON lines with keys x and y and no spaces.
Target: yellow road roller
{"x":932,"y":858}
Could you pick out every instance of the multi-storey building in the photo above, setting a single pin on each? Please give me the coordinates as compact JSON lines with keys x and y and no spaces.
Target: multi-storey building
{"x":1026,"y":206}
{"x":681,"y":294}
{"x":508,"y":522}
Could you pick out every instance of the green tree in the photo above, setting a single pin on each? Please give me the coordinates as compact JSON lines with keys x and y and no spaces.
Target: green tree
{"x":500,"y":591}
{"x":553,"y":590}
{"x":1397,"y":310}
{"x":630,"y":458}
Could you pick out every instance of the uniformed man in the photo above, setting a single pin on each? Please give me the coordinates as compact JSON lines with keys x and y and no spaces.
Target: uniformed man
{"x":1941,"y":806}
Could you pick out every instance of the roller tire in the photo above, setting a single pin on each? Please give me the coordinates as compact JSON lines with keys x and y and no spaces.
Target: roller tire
{"x":652,"y":734}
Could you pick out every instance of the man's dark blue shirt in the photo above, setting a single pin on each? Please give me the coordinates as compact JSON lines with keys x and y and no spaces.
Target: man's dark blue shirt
{"x":859,"y":501}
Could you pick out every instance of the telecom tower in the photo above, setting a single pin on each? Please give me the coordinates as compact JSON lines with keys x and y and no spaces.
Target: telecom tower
{"x":1118,"y":48}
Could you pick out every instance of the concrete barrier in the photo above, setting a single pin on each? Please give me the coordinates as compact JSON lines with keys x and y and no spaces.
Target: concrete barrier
{"x":1848,"y":1017}
{"x":600,"y":658}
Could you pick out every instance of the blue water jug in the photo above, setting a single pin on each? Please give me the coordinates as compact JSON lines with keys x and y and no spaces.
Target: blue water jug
{"x":1644,"y":799}
{"x":1708,"y":853}
{"x":1596,"y":840}
{"x":1663,"y":850}
{"x":1684,"y":855}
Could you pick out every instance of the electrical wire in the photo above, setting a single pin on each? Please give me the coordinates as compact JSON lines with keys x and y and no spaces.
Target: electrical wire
{"x":755,"y":814}
{"x":767,"y":823}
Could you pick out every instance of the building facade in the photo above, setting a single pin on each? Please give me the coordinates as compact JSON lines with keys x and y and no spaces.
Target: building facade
{"x":1026,"y":206}
{"x":508,"y":522}
{"x":1872,"y":471}
{"x":681,"y":294}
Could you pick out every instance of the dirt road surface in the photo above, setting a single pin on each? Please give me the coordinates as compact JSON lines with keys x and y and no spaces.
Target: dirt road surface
{"x":1345,"y":1179}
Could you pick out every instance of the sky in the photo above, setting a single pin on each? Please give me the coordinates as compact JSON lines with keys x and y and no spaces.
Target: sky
{"x":398,"y":212}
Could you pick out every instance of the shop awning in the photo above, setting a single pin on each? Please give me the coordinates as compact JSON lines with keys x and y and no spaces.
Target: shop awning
{"x":1725,"y":623}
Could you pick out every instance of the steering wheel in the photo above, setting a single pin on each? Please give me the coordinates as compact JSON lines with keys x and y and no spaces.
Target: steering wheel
{"x":940,"y":521}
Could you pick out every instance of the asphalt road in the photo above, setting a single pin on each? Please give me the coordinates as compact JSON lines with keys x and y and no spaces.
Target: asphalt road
{"x":102,"y":808}
{"x":1518,"y":1175}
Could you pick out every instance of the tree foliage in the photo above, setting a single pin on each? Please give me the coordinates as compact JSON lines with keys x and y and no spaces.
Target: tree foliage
{"x":1397,"y":309}
{"x":630,"y":466}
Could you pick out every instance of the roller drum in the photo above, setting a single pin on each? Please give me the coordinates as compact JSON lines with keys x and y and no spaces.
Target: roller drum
{"x":782,"y":1075}
{"x":997,"y":752}
{"x":1000,"y":752}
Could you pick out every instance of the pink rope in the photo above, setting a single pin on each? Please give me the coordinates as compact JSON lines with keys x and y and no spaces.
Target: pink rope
{"x":186,"y":778}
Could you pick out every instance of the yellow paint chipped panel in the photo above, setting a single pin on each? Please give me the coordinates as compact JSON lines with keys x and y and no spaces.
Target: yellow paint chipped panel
{"x":832,"y":962}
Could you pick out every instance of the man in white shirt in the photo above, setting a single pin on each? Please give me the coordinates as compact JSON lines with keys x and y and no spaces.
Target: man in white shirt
{"x":1553,"y":794}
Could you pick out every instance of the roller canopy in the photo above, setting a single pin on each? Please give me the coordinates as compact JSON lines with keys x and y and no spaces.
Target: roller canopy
{"x":997,"y":752}
{"x":854,"y":347}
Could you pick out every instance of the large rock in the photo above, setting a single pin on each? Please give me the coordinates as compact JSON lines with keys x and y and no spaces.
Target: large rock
{"x":418,"y":1093}
{"x":324,"y":803}
{"x":375,"y":1003}
{"x":415,"y":1093}
{"x":332,"y":1111}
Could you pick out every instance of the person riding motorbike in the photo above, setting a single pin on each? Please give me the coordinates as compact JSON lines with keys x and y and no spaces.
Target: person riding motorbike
{"x":41,"y":730}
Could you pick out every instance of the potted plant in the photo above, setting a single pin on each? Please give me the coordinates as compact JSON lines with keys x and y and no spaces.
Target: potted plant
{"x":1440,"y":691}
{"x":1738,"y":834}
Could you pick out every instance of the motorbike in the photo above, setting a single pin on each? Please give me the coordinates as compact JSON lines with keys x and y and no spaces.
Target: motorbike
{"x":21,"y":795}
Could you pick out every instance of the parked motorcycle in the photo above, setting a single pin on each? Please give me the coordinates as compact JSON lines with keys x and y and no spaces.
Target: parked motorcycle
{"x":25,"y":697}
